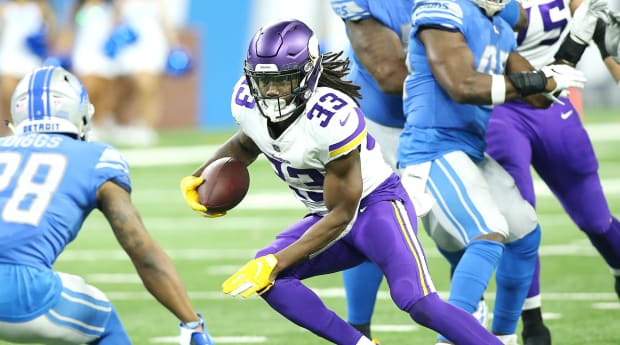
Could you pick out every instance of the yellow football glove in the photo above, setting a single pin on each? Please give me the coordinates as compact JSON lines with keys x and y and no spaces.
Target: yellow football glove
{"x":188,"y":188}
{"x":251,"y":278}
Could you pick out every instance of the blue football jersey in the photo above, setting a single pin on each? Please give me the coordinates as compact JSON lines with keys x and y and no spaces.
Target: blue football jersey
{"x":48,"y":186}
{"x":436,"y":124}
{"x":380,"y":107}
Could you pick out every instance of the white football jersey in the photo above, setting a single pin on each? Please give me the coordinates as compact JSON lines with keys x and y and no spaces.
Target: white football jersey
{"x":548,"y":26}
{"x":331,"y":126}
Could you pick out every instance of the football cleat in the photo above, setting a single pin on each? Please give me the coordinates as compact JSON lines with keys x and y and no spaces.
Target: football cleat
{"x":200,"y":338}
{"x":482,"y":313}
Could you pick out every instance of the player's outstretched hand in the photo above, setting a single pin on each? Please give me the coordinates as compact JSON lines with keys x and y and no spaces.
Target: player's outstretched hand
{"x":564,"y":77}
{"x":251,"y":278}
{"x":195,"y":333}
{"x":188,"y":188}
{"x":583,"y":24}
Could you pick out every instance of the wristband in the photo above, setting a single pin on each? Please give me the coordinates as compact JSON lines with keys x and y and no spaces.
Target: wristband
{"x":528,"y":83}
{"x":498,"y":89}
{"x":570,"y":51}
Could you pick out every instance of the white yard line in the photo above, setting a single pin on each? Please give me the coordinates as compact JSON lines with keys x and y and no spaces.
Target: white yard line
{"x":609,"y":298}
{"x":577,"y":248}
{"x":217,"y":340}
{"x":195,"y":154}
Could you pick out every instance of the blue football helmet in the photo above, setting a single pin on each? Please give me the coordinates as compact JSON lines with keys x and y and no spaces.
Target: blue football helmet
{"x":52,"y":100}
{"x":284,"y":53}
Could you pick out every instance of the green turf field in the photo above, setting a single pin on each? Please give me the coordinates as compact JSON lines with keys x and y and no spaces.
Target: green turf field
{"x":578,"y":297}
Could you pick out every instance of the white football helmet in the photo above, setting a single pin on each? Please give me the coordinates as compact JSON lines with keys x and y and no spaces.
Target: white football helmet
{"x":51,"y":100}
{"x":492,"y":7}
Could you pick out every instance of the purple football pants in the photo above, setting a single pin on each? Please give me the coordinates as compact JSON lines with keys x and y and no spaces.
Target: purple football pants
{"x":386,"y":233}
{"x":556,"y":144}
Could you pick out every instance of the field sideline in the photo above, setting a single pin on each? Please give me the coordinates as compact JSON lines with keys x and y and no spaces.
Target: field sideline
{"x":578,"y":299}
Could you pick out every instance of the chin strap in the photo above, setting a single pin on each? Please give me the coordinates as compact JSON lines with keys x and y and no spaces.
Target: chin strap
{"x":9,"y":124}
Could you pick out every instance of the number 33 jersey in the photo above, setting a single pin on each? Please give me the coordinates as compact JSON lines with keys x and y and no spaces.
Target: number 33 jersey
{"x":331,"y":126}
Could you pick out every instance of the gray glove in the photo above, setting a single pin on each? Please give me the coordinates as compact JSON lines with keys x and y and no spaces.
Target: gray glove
{"x":584,"y":20}
{"x":612,"y":35}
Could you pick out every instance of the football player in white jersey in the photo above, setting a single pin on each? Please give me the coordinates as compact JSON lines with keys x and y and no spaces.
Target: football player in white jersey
{"x":51,"y":178}
{"x":293,"y":107}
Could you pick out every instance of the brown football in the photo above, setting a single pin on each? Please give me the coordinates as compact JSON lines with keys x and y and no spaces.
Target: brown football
{"x":226,"y":183}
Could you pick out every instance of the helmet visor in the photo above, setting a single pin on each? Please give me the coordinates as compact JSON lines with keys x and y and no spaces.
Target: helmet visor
{"x":275,"y":84}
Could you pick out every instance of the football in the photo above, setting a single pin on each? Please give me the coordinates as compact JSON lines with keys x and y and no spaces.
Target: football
{"x":226,"y":183}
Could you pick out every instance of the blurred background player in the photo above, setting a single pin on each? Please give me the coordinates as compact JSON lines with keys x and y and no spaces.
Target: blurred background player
{"x":141,"y":66}
{"x":27,"y":30}
{"x":93,"y":22}
{"x":612,"y":66}
{"x":462,"y":58}
{"x":52,"y":178}
{"x":294,"y":106}
{"x":378,"y":32}
{"x":554,"y":142}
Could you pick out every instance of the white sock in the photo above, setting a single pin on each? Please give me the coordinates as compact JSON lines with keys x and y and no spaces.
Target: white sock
{"x":509,"y":339}
{"x":364,"y":341}
{"x":532,"y":302}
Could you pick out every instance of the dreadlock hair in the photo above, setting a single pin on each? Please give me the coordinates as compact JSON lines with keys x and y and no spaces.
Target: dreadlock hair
{"x":334,"y":70}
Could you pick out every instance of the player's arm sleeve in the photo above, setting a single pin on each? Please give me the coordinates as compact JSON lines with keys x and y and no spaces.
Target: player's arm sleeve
{"x":112,"y":166}
{"x":347,"y":132}
{"x":440,"y":14}
{"x":512,"y":14}
{"x":351,"y":9}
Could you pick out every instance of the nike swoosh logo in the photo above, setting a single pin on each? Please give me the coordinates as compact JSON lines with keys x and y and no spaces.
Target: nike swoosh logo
{"x":343,"y":122}
{"x":566,"y":115}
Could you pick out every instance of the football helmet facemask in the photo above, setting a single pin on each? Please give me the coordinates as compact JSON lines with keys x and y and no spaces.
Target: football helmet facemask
{"x":491,"y":7}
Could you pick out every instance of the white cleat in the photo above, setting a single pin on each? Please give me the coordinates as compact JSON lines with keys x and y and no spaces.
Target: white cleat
{"x":509,"y":339}
{"x":482,"y":313}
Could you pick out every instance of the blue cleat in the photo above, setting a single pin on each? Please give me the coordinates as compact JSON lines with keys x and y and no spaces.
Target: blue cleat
{"x":201,"y":338}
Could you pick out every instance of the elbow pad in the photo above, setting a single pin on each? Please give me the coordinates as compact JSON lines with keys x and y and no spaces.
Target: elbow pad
{"x":570,"y":51}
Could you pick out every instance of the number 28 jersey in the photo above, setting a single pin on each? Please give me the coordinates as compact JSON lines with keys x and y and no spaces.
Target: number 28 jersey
{"x":331,"y":126}
{"x":48,"y":186}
